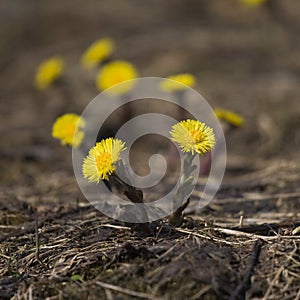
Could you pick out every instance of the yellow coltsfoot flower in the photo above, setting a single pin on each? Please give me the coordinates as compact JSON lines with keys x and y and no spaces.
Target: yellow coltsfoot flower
{"x":48,"y":71}
{"x":193,"y":136}
{"x":116,"y":72}
{"x":97,"y":52}
{"x":182,"y":80}
{"x":67,"y":129}
{"x":100,"y":162}
{"x":230,"y":117}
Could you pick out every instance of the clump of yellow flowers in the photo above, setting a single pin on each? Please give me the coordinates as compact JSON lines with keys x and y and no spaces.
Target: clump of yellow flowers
{"x":68,"y":129}
{"x":178,"y":83}
{"x":193,"y":137}
{"x":48,"y":71}
{"x":100,"y":162}
{"x":253,"y":2}
{"x":104,"y":159}
{"x":116,"y":72}
{"x":97,"y":52}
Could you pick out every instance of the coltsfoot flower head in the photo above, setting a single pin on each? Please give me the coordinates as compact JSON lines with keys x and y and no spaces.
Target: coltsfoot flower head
{"x":97,"y":52}
{"x":230,"y":117}
{"x":116,"y":72}
{"x":193,"y":136}
{"x":253,"y":2}
{"x":184,"y":79}
{"x":67,"y":128}
{"x":48,"y":71}
{"x":100,"y":162}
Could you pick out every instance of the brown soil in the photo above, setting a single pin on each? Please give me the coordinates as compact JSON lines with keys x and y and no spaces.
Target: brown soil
{"x":243,"y":245}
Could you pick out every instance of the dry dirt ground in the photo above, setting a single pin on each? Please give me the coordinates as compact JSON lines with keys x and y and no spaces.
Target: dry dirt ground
{"x":243,"y":245}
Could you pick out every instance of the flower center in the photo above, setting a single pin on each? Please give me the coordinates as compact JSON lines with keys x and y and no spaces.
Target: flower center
{"x":103,"y":161}
{"x":70,"y":130}
{"x":196,"y":136}
{"x":118,"y":78}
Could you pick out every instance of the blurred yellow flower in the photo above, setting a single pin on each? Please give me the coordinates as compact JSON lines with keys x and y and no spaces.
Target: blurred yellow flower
{"x":253,"y":2}
{"x":183,"y":80}
{"x":116,"y":72}
{"x":230,"y":117}
{"x":99,"y":163}
{"x":67,"y":129}
{"x":48,"y":71}
{"x":97,"y":52}
{"x":193,"y":136}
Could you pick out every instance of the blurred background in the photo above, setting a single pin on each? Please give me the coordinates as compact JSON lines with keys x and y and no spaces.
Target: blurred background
{"x":245,"y":58}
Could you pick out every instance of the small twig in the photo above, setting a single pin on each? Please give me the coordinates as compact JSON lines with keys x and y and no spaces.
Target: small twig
{"x":211,"y":238}
{"x":201,"y":292}
{"x":241,"y":221}
{"x":296,"y":230}
{"x":251,"y":235}
{"x":167,"y":252}
{"x":37,"y":238}
{"x":115,"y":226}
{"x":30,"y":292}
{"x":243,"y":287}
{"x":267,"y":227}
{"x":8,"y":227}
{"x":5,"y":256}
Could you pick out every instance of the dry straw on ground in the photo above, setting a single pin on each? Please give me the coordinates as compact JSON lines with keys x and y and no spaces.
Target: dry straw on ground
{"x":217,"y":255}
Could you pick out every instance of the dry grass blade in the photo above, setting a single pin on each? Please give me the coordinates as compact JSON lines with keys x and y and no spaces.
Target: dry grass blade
{"x":276,"y":277}
{"x":202,"y":292}
{"x":212,"y":238}
{"x":251,"y":235}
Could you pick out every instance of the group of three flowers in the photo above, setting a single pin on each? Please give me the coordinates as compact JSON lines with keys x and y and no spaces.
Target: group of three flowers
{"x":111,"y":72}
{"x":192,"y":137}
